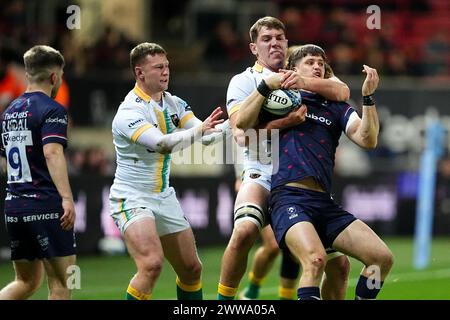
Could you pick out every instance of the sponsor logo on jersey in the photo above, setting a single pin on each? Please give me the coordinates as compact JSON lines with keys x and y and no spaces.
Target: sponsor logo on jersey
{"x":40,"y":217}
{"x":320,"y":119}
{"x":134,"y":123}
{"x":15,"y":137}
{"x":16,"y":115}
{"x":175,"y":119}
{"x":57,"y":120}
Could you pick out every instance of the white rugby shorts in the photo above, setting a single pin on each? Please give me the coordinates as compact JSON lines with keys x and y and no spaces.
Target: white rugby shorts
{"x":164,"y":208}
{"x":258,"y":173}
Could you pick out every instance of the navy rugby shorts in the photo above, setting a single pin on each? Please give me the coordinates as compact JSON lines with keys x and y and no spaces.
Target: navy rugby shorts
{"x":290,"y":205}
{"x":39,"y":236}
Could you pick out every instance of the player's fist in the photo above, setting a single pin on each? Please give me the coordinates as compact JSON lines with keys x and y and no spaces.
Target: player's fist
{"x":274,"y":81}
{"x":292,"y":80}
{"x":298,"y":115}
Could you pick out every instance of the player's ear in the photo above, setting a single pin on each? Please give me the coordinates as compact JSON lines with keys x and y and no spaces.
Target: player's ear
{"x":139,"y":74}
{"x":253,"y":48}
{"x":53,"y":78}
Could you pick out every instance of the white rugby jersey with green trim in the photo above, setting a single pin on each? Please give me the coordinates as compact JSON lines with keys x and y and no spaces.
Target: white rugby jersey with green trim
{"x":142,"y":172}
{"x":240,"y":87}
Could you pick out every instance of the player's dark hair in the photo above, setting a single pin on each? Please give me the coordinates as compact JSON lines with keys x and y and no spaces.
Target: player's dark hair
{"x":303,"y":51}
{"x":268,"y":22}
{"x":39,"y":60}
{"x":142,"y":50}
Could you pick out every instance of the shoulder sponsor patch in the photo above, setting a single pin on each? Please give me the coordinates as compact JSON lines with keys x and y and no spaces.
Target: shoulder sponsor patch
{"x":57,"y":120}
{"x":134,"y":123}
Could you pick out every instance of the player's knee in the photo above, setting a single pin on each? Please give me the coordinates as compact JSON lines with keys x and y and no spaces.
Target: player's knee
{"x":150,"y":266}
{"x":386,"y":260}
{"x":271,"y":247}
{"x":243,"y":237}
{"x":343,"y":266}
{"x":271,"y":250}
{"x":31,"y":285}
{"x":316,"y":262}
{"x":194,"y":269}
{"x":383,"y":259}
{"x":57,"y":285}
{"x":338,"y":268}
{"x":59,"y":291}
{"x":319,"y":261}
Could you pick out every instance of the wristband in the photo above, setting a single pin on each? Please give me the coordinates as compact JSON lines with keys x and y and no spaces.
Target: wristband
{"x":263,"y":88}
{"x":369,"y":100}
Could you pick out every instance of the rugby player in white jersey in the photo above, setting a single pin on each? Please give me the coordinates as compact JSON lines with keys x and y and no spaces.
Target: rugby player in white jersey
{"x":146,"y":129}
{"x":269,"y":45}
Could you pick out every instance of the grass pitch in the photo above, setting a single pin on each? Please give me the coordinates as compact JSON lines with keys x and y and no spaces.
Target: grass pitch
{"x":107,"y":277}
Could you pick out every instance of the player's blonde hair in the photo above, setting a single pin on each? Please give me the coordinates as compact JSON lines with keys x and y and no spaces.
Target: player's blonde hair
{"x":142,"y":50}
{"x":39,"y":62}
{"x":268,"y":22}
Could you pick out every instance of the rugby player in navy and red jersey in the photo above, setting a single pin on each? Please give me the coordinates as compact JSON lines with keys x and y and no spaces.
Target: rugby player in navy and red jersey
{"x":39,"y":208}
{"x":245,"y":96}
{"x":304,"y":217}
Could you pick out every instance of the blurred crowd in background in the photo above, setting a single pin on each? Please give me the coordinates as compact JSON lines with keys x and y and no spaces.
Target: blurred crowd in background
{"x":414,"y":41}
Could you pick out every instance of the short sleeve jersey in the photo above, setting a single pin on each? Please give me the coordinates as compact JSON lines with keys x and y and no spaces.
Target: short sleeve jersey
{"x":30,"y":122}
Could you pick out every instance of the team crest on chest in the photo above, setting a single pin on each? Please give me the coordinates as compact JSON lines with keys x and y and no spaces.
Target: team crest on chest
{"x":175,"y":119}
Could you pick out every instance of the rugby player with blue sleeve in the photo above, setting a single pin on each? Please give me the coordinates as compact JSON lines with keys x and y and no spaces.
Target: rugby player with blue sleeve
{"x":304,"y":217}
{"x":39,"y":209}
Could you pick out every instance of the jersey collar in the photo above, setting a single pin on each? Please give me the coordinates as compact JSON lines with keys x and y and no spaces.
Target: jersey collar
{"x":261,"y":69}
{"x":258,"y":67}
{"x":141,"y":94}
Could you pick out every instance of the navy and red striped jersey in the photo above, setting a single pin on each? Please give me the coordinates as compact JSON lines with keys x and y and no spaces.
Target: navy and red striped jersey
{"x":30,"y":122}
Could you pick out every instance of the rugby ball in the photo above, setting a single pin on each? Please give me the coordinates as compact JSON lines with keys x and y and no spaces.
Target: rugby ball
{"x":282,"y":101}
